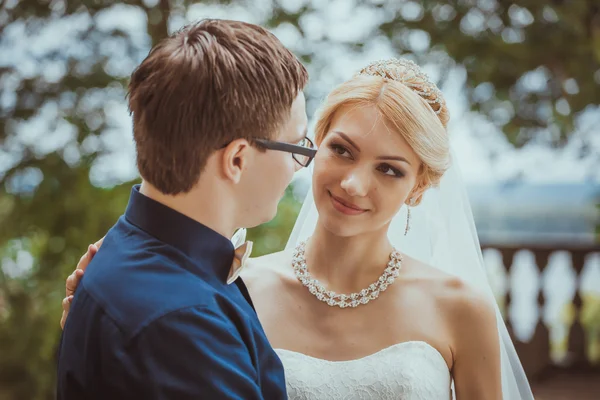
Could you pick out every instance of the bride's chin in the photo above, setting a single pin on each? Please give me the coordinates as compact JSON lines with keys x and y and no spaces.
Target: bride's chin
{"x":336,"y":226}
{"x":335,"y":222}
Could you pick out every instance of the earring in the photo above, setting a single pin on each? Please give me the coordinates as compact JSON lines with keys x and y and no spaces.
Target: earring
{"x":412,"y":202}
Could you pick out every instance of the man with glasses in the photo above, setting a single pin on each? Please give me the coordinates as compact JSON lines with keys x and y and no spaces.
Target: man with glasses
{"x":158,"y":315}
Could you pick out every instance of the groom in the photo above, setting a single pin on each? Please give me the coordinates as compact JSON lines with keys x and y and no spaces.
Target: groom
{"x":217,"y":112}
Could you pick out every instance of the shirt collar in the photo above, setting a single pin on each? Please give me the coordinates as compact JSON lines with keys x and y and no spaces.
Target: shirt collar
{"x":196,"y":240}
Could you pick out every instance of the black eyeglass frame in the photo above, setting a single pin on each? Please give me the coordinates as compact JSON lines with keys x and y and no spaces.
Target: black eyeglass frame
{"x":290,"y":148}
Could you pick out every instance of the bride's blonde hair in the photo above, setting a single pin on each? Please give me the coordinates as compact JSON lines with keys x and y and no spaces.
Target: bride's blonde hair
{"x":408,"y":102}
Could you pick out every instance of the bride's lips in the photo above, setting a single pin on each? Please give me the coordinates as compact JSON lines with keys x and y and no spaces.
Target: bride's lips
{"x":345,"y":207}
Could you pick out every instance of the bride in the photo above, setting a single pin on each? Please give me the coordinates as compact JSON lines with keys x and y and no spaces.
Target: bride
{"x":381,"y":292}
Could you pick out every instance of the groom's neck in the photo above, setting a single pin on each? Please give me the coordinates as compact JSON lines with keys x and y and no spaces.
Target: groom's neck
{"x":200,"y":205}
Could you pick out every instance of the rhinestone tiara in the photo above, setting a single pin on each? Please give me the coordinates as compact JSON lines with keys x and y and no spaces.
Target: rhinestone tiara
{"x":409,"y":74}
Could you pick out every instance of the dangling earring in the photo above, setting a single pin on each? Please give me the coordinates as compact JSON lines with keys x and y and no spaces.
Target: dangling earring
{"x":412,"y":202}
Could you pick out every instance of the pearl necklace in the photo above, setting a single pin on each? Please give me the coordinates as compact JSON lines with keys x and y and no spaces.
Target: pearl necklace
{"x":334,"y":299}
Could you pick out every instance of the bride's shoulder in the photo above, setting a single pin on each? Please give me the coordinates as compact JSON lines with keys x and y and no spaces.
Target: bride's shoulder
{"x":466,"y":304}
{"x":268,"y":269}
{"x":458,"y":299}
{"x":428,"y":276}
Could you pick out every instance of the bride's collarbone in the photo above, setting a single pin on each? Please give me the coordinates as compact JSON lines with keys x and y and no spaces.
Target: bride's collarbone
{"x":420,"y":291}
{"x":299,"y":322}
{"x":272,"y":275}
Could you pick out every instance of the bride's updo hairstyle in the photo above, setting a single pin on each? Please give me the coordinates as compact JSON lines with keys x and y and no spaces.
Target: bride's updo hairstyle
{"x":408,"y":102}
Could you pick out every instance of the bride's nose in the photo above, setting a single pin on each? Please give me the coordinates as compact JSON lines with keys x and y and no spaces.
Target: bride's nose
{"x":356,"y":183}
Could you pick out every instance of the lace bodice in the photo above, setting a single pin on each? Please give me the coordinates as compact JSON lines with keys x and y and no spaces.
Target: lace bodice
{"x":407,"y":371}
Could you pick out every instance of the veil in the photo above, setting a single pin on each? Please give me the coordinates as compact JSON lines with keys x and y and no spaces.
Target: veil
{"x":442,"y":234}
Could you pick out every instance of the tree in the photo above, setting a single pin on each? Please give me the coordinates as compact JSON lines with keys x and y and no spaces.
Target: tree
{"x":532,"y":67}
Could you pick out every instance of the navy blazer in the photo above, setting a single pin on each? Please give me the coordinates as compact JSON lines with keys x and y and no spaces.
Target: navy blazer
{"x":153,"y":317}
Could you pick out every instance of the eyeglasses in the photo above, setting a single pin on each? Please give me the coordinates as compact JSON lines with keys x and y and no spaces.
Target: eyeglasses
{"x":303,"y":152}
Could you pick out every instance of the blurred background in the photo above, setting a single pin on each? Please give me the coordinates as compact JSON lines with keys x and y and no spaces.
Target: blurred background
{"x":522,"y":80}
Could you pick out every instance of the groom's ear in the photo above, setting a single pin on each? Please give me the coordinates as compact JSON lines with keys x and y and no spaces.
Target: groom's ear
{"x":235,"y":159}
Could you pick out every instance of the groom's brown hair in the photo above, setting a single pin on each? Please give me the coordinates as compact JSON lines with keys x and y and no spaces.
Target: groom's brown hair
{"x":211,"y":82}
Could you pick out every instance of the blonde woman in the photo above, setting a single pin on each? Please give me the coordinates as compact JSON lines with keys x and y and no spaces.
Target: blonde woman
{"x":351,"y":314}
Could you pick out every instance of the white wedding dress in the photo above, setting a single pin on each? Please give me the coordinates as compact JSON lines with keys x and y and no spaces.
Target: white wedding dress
{"x":405,"y":371}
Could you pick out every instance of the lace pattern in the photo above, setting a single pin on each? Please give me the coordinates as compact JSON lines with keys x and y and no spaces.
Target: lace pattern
{"x":406,"y":371}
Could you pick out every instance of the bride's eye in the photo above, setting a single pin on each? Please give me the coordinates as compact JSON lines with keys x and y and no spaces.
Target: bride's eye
{"x":340,"y":150}
{"x":387,"y":169}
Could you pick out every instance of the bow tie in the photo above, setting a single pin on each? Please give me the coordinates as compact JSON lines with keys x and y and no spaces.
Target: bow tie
{"x":243,"y":249}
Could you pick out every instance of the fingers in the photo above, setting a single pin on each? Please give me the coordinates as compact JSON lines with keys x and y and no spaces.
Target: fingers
{"x":99,"y":243}
{"x":63,"y":319}
{"x":66,"y":305}
{"x":85,"y":259}
{"x":73,"y":281}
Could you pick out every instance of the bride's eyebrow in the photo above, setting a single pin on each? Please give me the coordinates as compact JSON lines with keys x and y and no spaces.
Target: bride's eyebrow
{"x":347,"y":139}
{"x":394,"y":158}
{"x":391,"y":158}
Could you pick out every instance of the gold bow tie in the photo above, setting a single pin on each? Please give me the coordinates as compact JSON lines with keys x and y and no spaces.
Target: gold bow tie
{"x":243,"y":249}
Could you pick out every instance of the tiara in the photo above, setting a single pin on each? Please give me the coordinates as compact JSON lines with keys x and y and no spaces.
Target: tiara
{"x":409,"y":74}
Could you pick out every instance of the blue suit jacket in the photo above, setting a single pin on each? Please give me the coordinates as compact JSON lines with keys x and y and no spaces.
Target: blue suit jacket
{"x":154,"y":318}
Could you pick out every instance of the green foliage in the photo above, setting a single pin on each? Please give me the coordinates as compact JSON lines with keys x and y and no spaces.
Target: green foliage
{"x":532,"y":67}
{"x":590,"y":320}
{"x":272,"y":236}
{"x":499,"y":43}
{"x":55,"y":225}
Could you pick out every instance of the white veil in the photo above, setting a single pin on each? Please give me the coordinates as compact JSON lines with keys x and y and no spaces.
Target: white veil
{"x":442,"y":233}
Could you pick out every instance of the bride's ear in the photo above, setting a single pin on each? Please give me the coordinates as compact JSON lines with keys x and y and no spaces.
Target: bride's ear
{"x":416,"y":195}
{"x":235,"y":158}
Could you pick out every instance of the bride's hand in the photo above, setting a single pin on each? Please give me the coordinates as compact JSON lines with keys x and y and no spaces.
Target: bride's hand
{"x":73,"y":279}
